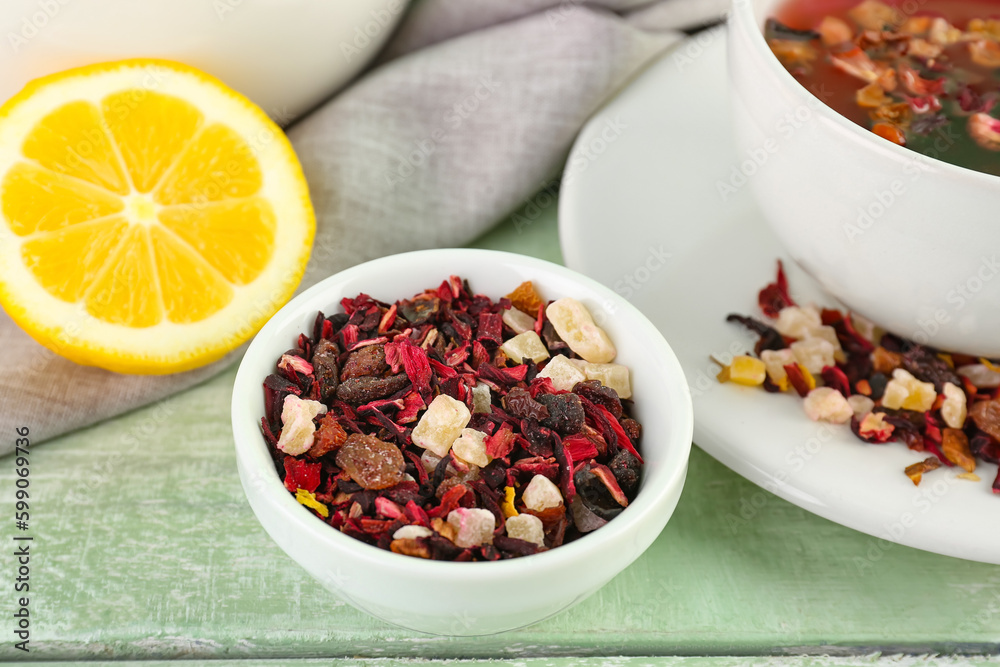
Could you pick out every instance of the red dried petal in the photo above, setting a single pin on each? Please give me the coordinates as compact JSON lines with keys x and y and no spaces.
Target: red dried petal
{"x":417,"y":514}
{"x":301,"y":474}
{"x":775,"y":296}
{"x":797,"y":380}
{"x":387,"y":508}
{"x":490,"y":327}
{"x":579,"y":447}
{"x":608,"y":479}
{"x":835,"y":378}
{"x":623,"y":440}
{"x":417,"y":367}
{"x":501,"y":443}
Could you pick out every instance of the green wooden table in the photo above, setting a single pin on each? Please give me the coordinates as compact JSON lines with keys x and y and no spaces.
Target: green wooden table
{"x":145,"y":549}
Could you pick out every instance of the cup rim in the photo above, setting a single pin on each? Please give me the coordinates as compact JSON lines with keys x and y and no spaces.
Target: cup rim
{"x":742,"y":18}
{"x":252,"y":454}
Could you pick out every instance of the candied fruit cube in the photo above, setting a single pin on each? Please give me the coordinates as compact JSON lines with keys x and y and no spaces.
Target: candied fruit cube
{"x":813,"y":354}
{"x":747,"y":371}
{"x":518,"y":320}
{"x":828,"y":405}
{"x":526,"y":346}
{"x":775,"y":362}
{"x":473,"y":526}
{"x":907,"y":392}
{"x":471,"y":447}
{"x":441,"y":424}
{"x":541,"y":494}
{"x":615,"y":376}
{"x":527,"y":527}
{"x":298,"y":429}
{"x":953,"y":409}
{"x":861,"y":405}
{"x":795,"y":321}
{"x":412,"y":533}
{"x":563,"y":373}
{"x":575,"y":325}
{"x":482,"y":399}
{"x":828,"y":334}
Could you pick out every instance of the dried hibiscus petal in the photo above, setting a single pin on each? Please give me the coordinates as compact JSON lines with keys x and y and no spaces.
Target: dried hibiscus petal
{"x":775,"y":296}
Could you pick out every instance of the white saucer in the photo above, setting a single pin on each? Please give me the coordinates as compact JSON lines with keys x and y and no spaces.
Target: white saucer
{"x":644,"y":181}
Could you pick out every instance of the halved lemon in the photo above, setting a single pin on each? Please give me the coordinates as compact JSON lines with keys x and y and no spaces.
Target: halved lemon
{"x":151,"y":219}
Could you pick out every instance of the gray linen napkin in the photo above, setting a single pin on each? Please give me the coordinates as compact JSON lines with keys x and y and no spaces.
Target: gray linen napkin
{"x":470,"y":110}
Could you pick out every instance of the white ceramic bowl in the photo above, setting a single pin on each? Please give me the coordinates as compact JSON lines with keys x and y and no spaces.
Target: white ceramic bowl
{"x":470,"y":598}
{"x":286,"y":56}
{"x":906,"y":240}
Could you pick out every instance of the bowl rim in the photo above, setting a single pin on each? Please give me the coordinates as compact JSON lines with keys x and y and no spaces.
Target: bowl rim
{"x":743,"y":19}
{"x":251,"y":450}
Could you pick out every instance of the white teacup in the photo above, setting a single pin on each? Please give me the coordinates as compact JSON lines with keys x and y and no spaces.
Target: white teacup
{"x":905,"y":240}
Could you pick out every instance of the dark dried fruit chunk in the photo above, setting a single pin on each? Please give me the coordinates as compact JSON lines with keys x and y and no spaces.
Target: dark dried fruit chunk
{"x":520,"y":404}
{"x":595,"y":494}
{"x":360,"y":390}
{"x":369,"y":360}
{"x":325,"y":369}
{"x":986,"y":415}
{"x":928,"y":367}
{"x":329,"y":436}
{"x":566,"y":414}
{"x":597,"y":393}
{"x":626,"y":469}
{"x":370,"y":462}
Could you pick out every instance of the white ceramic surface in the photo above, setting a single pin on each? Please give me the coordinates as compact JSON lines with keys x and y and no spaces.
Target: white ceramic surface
{"x":655,"y":191}
{"x":286,"y":56}
{"x":906,"y":240}
{"x":470,"y":598}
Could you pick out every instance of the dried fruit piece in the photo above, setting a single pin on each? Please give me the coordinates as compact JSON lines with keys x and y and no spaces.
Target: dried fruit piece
{"x":775,"y":362}
{"x":507,"y":506}
{"x":613,"y":376}
{"x":541,"y":494}
{"x":986,"y":416}
{"x":953,"y":409}
{"x":473,"y":526}
{"x":482,"y":399}
{"x":916,"y":471}
{"x":871,"y":96}
{"x":566,"y":414}
{"x":298,"y":428}
{"x":907,"y":392}
{"x":829,"y":405}
{"x":874,"y":428}
{"x":813,"y":354}
{"x":985,"y":52}
{"x":890,"y":132}
{"x":441,"y":424}
{"x":369,"y":360}
{"x":360,"y":390}
{"x":526,"y":527}
{"x":861,"y":405}
{"x":525,"y":346}
{"x":471,"y":447}
{"x":564,"y":374}
{"x":985,"y":130}
{"x":518,"y":320}
{"x":794,"y":321}
{"x":328,"y":437}
{"x":575,"y":325}
{"x":955,"y":446}
{"x":874,"y":15}
{"x":526,"y":298}
{"x":834,"y":31}
{"x":370,"y":462}
{"x":325,"y":367}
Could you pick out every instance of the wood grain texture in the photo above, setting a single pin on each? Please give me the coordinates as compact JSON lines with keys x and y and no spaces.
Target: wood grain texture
{"x":145,"y":549}
{"x":874,"y":660}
